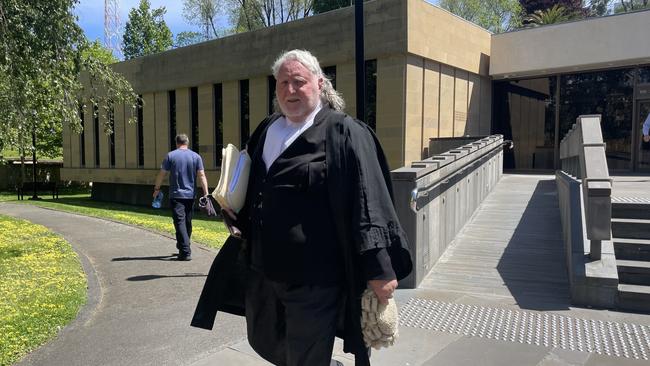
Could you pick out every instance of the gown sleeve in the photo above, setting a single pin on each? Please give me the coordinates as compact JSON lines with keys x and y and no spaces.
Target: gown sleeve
{"x":378,"y":235}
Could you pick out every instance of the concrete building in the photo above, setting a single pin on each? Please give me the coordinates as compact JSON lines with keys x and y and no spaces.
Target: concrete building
{"x":429,"y":74}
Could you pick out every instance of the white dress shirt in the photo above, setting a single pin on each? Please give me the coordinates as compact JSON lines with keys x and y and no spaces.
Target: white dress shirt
{"x":281,"y":134}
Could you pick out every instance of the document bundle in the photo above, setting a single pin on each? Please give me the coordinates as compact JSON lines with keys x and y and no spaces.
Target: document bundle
{"x":233,"y":182}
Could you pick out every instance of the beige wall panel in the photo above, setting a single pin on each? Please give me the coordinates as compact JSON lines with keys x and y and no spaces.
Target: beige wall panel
{"x":441,"y":36}
{"x":162,"y":127}
{"x":473,"y":105}
{"x":460,"y":104}
{"x":149,"y":130}
{"x":414,"y":94}
{"x":104,"y":142}
{"x":595,"y":43}
{"x":485,"y":125}
{"x":119,"y":128}
{"x":431,"y":106}
{"x":74,"y":139}
{"x":391,"y":72}
{"x":258,"y":100}
{"x":89,"y":136}
{"x":346,"y":85}
{"x":231,"y":131}
{"x":447,"y":85}
{"x":130,"y":139}
{"x":183,"y":124}
{"x":206,"y":126}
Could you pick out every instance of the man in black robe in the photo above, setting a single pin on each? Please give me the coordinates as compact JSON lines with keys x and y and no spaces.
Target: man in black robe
{"x":319,"y":223}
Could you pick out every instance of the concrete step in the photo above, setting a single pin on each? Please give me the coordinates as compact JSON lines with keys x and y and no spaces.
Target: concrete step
{"x":631,"y":228}
{"x":631,"y":210}
{"x":633,"y":272}
{"x":634,"y":297}
{"x":632,"y":249}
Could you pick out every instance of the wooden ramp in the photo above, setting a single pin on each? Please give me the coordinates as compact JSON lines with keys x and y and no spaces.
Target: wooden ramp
{"x":512,"y":248}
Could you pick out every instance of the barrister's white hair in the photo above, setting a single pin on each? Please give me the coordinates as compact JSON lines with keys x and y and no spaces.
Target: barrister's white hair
{"x":328,"y":94}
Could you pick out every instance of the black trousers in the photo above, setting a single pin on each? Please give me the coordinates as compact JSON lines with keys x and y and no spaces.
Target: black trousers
{"x":291,"y":325}
{"x":182,"y":215}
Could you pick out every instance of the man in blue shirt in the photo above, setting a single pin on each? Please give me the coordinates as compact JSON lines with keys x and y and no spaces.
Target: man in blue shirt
{"x":183,"y":165}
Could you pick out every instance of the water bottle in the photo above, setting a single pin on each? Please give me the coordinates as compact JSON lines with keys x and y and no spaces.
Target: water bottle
{"x":157,"y":201}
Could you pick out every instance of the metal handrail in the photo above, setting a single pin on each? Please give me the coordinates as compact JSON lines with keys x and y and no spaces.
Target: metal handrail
{"x":418,"y":193}
{"x":582,"y":153}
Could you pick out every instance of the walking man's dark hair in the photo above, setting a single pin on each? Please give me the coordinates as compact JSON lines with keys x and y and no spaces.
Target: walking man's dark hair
{"x":182,"y":139}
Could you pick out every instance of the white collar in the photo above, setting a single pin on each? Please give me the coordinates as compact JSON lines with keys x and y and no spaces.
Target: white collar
{"x":308,"y":121}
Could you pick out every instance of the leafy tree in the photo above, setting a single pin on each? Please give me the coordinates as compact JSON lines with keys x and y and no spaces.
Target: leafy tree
{"x":556,"y":14}
{"x":570,"y":6}
{"x":43,"y":53}
{"x":494,"y":15}
{"x":599,"y":7}
{"x":202,"y":13}
{"x":99,"y":52}
{"x":321,"y":6}
{"x":146,"y":31}
{"x":631,"y":5}
{"x":188,"y":38}
{"x":247,"y":15}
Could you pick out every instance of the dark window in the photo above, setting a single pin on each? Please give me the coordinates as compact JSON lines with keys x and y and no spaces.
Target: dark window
{"x":218,"y":123}
{"x":271,"y":85}
{"x":172,"y":119}
{"x":96,"y":133}
{"x":244,"y":115}
{"x":524,"y":111}
{"x":644,"y":75}
{"x":82,"y":141}
{"x":370,"y":114}
{"x":330,"y":72}
{"x":194,"y":115}
{"x":608,"y":93}
{"x":140,"y":132}
{"x":111,"y":122}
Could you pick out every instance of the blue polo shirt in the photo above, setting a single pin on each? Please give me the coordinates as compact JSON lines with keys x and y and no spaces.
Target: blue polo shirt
{"x":182,"y":165}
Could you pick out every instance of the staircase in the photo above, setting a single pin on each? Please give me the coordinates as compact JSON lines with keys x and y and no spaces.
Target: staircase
{"x":631,"y":237}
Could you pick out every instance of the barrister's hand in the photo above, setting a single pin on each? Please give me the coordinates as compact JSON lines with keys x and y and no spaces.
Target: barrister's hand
{"x":230,"y":218}
{"x":646,"y":138}
{"x":230,"y":213}
{"x":383,"y":289}
{"x":155,"y":192}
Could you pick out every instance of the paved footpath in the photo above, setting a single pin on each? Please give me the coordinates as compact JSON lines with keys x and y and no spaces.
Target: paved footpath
{"x":141,"y":301}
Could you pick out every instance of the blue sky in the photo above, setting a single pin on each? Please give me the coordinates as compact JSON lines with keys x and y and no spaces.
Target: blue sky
{"x":91,"y":16}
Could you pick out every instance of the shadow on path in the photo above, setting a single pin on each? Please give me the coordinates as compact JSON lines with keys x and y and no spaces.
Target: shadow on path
{"x":156,"y":277}
{"x":153,"y":258}
{"x":533,"y":264}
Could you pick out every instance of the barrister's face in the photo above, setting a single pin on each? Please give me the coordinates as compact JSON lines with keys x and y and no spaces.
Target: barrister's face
{"x":297,"y":90}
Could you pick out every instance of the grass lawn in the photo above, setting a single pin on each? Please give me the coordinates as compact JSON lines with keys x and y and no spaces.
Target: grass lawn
{"x":8,"y":153}
{"x":42,"y":287}
{"x":207,"y":231}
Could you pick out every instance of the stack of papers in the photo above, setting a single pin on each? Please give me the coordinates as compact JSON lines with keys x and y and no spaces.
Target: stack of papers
{"x":233,"y":182}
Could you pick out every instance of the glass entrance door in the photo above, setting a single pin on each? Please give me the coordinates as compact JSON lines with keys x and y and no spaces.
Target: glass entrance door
{"x":643,"y":112}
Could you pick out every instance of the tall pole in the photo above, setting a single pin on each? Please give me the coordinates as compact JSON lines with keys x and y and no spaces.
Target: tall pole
{"x":359,"y":59}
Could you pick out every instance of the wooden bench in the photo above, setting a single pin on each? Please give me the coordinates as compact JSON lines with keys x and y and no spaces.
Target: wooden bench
{"x":28,"y":188}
